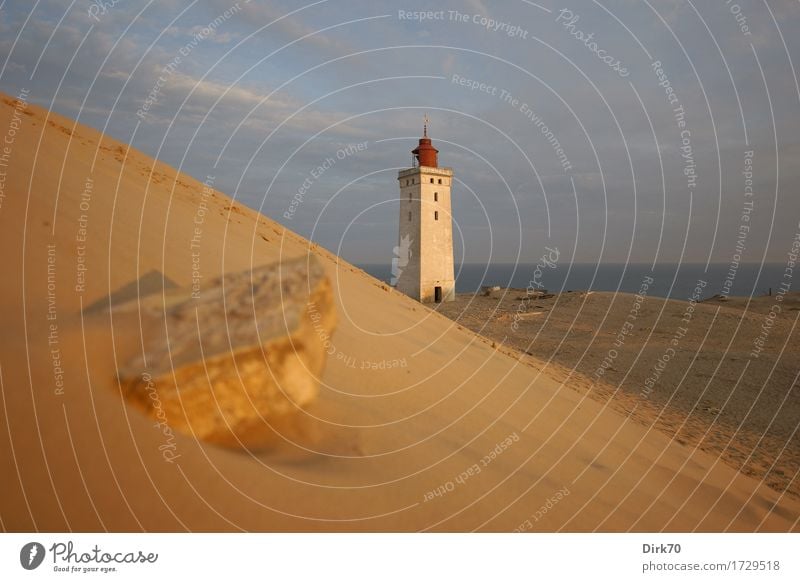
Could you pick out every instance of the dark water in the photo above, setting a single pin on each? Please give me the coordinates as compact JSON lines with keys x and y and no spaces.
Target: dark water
{"x":677,"y":281}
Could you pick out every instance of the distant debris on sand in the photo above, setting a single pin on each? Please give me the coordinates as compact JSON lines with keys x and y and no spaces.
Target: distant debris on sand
{"x":498,"y":291}
{"x":716,"y":297}
{"x":246,"y":352}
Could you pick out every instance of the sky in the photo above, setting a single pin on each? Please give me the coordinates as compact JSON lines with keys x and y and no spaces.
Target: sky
{"x":616,"y":131}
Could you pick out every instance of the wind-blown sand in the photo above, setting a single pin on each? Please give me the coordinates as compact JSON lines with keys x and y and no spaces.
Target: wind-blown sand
{"x":708,"y":390}
{"x":411,"y":403}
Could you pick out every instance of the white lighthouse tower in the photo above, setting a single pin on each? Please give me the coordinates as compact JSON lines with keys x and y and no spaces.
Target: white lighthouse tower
{"x":424,"y":266}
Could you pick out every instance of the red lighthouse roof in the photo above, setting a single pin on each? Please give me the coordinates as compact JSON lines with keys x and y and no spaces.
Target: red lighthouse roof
{"x":425,"y":153}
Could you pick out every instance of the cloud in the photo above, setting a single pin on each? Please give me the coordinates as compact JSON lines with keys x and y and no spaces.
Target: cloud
{"x":223,"y":91}
{"x":289,"y":27}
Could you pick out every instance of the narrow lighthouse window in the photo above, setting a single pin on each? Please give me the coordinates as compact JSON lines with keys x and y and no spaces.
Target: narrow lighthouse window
{"x":409,"y":217}
{"x":436,"y":215}
{"x":436,"y":197}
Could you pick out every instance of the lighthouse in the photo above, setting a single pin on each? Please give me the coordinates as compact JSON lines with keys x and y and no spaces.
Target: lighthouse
{"x":423,"y":265}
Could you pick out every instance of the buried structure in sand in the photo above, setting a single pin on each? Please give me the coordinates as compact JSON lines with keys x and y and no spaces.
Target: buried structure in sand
{"x":423,"y":267}
{"x":230,"y":361}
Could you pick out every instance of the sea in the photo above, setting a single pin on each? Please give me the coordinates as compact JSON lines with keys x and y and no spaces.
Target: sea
{"x":670,"y":280}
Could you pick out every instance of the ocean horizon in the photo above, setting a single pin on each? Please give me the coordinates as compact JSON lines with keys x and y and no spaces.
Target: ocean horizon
{"x":669,"y":280}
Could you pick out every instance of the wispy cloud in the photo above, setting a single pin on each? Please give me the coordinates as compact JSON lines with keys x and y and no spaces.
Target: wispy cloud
{"x":255,"y":90}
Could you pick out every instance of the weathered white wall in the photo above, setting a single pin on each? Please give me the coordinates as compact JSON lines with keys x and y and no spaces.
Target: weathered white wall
{"x":431,"y":261}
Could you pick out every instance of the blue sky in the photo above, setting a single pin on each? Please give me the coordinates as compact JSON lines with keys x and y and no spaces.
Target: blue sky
{"x":259,"y":94}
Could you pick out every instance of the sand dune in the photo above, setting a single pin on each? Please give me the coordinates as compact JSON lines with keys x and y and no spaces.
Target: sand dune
{"x":708,"y":392}
{"x":420,"y":424}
